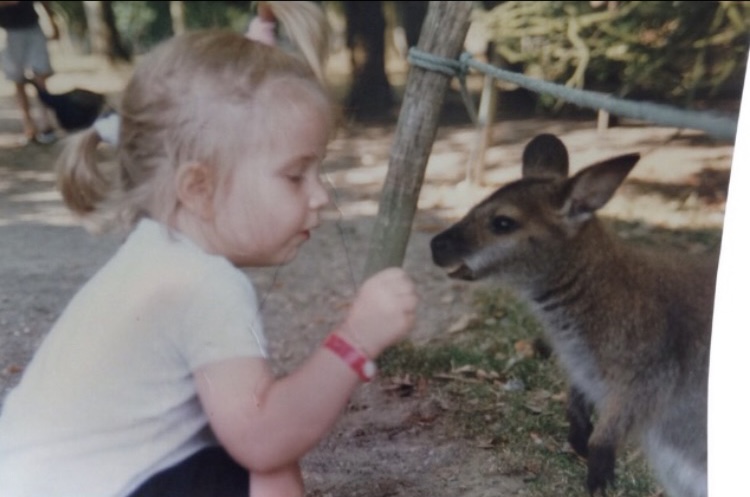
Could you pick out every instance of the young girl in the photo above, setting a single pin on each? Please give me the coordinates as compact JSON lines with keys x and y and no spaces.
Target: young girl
{"x":155,"y":381}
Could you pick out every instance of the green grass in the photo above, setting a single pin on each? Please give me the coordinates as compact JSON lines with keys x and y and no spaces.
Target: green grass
{"x":508,"y":401}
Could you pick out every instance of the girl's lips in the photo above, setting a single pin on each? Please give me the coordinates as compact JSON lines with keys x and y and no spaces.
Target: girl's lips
{"x":307,"y":233}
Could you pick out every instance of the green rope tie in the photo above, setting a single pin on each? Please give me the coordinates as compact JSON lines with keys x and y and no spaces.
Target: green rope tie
{"x":449,"y":67}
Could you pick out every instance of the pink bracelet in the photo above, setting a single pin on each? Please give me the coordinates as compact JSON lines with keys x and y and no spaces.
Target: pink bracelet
{"x":360,"y":363}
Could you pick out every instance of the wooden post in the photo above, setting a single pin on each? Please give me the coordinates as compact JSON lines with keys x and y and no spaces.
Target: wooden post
{"x":487,"y":111}
{"x":443,"y":34}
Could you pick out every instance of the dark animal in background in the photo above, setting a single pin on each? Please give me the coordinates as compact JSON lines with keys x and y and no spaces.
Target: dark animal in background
{"x":75,"y":109}
{"x":631,"y":326}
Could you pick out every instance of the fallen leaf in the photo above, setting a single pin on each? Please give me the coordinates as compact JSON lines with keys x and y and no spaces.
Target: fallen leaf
{"x":462,"y":323}
{"x":537,"y":401}
{"x":535,"y":408}
{"x":466,"y":369}
{"x":524,"y":348}
{"x":455,"y":377}
{"x":485,"y":442}
{"x":561,"y":396}
{"x":487,"y":375}
{"x":402,"y":386}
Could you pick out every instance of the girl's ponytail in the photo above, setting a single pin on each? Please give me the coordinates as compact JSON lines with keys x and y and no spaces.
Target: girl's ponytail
{"x":79,"y":178}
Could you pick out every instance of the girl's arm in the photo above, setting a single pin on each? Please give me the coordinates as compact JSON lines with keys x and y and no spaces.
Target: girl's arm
{"x":265,"y":423}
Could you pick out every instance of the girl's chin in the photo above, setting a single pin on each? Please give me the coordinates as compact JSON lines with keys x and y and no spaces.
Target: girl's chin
{"x":285,"y":256}
{"x":280,"y":257}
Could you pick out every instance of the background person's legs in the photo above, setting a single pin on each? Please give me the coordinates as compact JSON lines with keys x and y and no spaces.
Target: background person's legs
{"x":26,"y":50}
{"x":22,"y":98}
{"x":44,"y":132}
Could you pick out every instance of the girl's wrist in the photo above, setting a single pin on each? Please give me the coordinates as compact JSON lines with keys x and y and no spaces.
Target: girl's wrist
{"x":350,"y":333}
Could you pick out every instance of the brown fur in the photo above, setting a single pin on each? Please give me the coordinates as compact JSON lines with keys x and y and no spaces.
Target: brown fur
{"x":631,"y":327}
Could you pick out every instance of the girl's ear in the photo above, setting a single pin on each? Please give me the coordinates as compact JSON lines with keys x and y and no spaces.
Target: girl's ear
{"x":196,"y":184}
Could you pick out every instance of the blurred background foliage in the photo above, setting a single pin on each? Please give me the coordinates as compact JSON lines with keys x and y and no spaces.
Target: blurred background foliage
{"x":691,"y":54}
{"x":142,"y":24}
{"x":672,"y":51}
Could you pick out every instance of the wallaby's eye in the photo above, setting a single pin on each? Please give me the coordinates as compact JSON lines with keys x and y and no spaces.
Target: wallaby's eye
{"x":502,"y":225}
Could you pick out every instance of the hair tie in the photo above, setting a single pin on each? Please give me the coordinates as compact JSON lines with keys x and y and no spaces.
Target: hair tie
{"x":107,"y":127}
{"x":262,"y":31}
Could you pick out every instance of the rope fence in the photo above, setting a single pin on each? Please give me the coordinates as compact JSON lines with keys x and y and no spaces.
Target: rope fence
{"x":713,"y":124}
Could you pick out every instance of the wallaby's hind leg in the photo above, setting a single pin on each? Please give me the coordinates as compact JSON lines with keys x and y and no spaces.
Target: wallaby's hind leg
{"x":601,"y":468}
{"x":578,"y":413}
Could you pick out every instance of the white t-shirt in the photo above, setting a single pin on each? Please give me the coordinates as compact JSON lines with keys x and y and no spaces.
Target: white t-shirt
{"x":109,"y":400}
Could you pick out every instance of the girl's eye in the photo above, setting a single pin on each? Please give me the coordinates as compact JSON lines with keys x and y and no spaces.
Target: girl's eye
{"x":296,"y":178}
{"x":502,"y":225}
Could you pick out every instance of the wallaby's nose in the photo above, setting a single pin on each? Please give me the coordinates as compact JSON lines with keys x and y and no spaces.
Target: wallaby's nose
{"x":443,"y":249}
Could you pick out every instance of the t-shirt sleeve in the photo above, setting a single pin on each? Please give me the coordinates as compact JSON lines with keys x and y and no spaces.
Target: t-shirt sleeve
{"x":223,"y":319}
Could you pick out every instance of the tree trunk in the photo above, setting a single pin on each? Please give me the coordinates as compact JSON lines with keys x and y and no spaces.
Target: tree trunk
{"x":370,"y":95}
{"x":487,"y":112}
{"x":105,"y":39}
{"x":443,"y":34}
{"x":412,"y":15}
{"x":177,"y":13}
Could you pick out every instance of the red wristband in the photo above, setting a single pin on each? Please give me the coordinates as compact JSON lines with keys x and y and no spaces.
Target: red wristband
{"x":364,"y":367}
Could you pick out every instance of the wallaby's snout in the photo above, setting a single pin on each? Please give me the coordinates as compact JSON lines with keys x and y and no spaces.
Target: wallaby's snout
{"x":448,"y":250}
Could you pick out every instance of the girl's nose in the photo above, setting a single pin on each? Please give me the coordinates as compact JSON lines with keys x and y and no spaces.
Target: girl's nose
{"x":319,"y":196}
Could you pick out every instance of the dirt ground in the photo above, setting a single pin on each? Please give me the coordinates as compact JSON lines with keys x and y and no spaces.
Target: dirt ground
{"x":385,"y":444}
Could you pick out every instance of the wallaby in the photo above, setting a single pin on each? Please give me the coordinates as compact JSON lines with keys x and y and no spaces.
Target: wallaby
{"x":631,"y":327}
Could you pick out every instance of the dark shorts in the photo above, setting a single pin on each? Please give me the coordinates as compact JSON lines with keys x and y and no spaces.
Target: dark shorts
{"x":210,"y":472}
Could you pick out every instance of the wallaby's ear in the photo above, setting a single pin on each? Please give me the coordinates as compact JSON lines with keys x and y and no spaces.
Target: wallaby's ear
{"x":591,"y":188}
{"x":545,"y":156}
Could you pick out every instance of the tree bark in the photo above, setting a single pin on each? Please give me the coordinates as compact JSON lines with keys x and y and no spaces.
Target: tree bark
{"x":443,"y":34}
{"x":177,"y":13}
{"x":370,"y":95}
{"x":487,"y":112}
{"x":103,"y":34}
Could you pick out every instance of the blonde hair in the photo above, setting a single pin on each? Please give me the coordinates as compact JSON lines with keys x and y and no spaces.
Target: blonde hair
{"x":205,"y":96}
{"x":306,"y":28}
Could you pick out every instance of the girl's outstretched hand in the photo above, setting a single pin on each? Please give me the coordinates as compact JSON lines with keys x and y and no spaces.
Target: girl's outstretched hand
{"x":383,"y":311}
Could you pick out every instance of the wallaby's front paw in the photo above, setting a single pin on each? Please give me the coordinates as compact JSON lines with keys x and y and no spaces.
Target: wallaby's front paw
{"x":601,"y":468}
{"x":579,"y":418}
